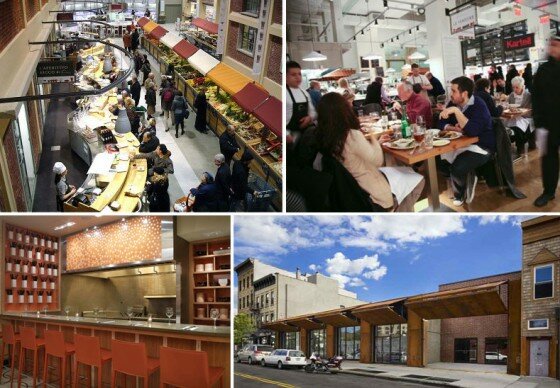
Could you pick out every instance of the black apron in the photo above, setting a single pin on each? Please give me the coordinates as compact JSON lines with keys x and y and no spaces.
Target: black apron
{"x":299,"y":111}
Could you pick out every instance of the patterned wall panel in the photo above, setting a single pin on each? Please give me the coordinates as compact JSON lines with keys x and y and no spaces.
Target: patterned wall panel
{"x":137,"y":238}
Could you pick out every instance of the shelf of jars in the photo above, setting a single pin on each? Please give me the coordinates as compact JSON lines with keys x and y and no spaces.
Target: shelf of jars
{"x":211,"y":279}
{"x":31,"y":270}
{"x":222,"y":111}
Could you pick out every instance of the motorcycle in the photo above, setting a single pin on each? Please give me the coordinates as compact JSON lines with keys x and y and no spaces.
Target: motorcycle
{"x":318,"y":365}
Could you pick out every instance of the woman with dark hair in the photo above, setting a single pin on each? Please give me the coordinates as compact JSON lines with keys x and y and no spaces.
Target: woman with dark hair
{"x":482,"y":90}
{"x":339,"y":136}
{"x":157,"y":191}
{"x":528,"y":76}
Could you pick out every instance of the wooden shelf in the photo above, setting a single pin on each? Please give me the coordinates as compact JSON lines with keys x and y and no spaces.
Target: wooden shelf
{"x":160,"y":296}
{"x":210,"y":319}
{"x":215,"y":271}
{"x":211,"y":287}
{"x":220,"y":303}
{"x":212,"y":256}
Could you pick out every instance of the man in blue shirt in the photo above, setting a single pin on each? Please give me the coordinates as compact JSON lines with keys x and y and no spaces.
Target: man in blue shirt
{"x":469,"y":115}
{"x":315,"y":92}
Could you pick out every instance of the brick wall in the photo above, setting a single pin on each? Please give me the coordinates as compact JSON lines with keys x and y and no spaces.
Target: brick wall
{"x":544,"y":308}
{"x":231,"y":48}
{"x":44,"y":2}
{"x":32,"y":7}
{"x":277,"y":12}
{"x":34,"y":128}
{"x":275,"y":59}
{"x":13,"y":166}
{"x":492,"y":326}
{"x":236,"y":5}
{"x":11,"y":20}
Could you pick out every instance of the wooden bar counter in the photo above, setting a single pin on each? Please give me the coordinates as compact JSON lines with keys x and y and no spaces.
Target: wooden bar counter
{"x":214,"y":341}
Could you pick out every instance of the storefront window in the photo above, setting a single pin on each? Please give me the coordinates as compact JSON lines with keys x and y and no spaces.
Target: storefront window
{"x":391,"y":344}
{"x":465,"y":350}
{"x":251,"y":7}
{"x":291,"y":340}
{"x":317,"y":342}
{"x":247,"y":37}
{"x":349,"y":342}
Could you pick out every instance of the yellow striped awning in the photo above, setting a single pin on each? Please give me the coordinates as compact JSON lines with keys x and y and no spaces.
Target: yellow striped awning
{"x":227,"y":78}
{"x":148,"y":27}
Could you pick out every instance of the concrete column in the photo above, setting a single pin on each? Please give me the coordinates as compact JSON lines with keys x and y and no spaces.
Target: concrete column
{"x":366,"y":345}
{"x":337,"y":23}
{"x":331,"y":339}
{"x":415,"y":340}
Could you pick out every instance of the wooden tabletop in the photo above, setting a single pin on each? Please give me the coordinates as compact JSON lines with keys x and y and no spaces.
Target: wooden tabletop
{"x":422,"y":154}
{"x":507,"y":114}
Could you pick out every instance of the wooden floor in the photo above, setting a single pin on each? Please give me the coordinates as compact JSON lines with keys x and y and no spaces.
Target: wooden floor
{"x":528,"y":181}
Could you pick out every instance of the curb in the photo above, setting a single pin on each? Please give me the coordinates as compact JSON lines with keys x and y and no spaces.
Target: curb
{"x":404,"y":379}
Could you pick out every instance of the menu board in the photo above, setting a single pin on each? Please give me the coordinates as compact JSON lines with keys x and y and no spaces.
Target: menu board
{"x":452,"y":61}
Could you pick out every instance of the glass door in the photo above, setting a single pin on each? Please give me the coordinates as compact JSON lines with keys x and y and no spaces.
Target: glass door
{"x":465,"y":350}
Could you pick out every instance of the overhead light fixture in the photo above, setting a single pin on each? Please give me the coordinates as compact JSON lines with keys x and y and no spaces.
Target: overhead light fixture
{"x":410,"y":32}
{"x":375,"y":22}
{"x":391,"y":40}
{"x":362,"y":32}
{"x":416,"y":55}
{"x":397,"y":37}
{"x":314,"y":56}
{"x":417,"y":28}
{"x":421,"y":10}
{"x":382,"y":45}
{"x":372,"y":57}
{"x":390,"y":70}
{"x":385,"y":4}
{"x":64,"y":226}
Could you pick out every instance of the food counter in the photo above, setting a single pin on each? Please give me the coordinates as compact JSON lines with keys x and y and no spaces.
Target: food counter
{"x":251,"y":134}
{"x":214,"y":341}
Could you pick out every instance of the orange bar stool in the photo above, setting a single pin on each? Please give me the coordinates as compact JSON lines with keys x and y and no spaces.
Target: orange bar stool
{"x":187,"y":368}
{"x":55,"y":346}
{"x":131,"y":359}
{"x":13,"y":341}
{"x":29,"y":341}
{"x":89,"y":352}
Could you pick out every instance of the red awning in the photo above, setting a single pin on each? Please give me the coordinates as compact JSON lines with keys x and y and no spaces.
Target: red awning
{"x":336,"y":75}
{"x":142,"y":21}
{"x":270,"y":114}
{"x":158,"y":32}
{"x":206,"y":25}
{"x":185,"y":49}
{"x":250,"y":97}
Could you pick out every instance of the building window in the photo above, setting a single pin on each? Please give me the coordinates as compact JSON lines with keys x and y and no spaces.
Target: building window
{"x":272,"y":298}
{"x":349,"y":342}
{"x":291,"y":340}
{"x":246,"y":40}
{"x":251,"y":7}
{"x":239,"y":285}
{"x":317,"y":342}
{"x":267,"y":298}
{"x":271,"y":317}
{"x":241,"y":302}
{"x":391,"y":344}
{"x":537,"y":324}
{"x":544,"y":282}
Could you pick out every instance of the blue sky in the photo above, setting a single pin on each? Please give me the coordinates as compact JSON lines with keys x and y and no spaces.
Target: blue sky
{"x":384,"y":256}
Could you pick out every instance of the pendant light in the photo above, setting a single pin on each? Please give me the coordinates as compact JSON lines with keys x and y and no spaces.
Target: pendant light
{"x":313,"y":56}
{"x":416,"y":54}
{"x":372,"y":56}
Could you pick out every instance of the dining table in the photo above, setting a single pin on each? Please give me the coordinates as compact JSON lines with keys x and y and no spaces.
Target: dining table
{"x":428,"y":156}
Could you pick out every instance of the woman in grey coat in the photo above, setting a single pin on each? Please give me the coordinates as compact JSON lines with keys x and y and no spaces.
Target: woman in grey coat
{"x":522,"y":125}
{"x":180,"y":111}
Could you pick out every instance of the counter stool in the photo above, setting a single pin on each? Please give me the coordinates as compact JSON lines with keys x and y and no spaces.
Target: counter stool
{"x":187,"y":368}
{"x":89,"y":352}
{"x":131,"y":359}
{"x":29,"y":341}
{"x":13,"y":341}
{"x":56,"y":347}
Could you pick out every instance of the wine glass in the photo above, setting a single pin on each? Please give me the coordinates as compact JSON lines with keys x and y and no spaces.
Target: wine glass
{"x":130,"y":313}
{"x":418,"y":133}
{"x":214,"y":314}
{"x":420,"y":121}
{"x":67,"y":311}
{"x":169,"y":313}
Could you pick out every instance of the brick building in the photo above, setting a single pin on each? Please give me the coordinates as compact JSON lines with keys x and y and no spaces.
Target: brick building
{"x":482,"y":340}
{"x":246,"y":23}
{"x":21,"y":124}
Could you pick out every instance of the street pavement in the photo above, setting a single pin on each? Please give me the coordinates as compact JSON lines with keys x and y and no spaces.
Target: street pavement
{"x":256,"y":376}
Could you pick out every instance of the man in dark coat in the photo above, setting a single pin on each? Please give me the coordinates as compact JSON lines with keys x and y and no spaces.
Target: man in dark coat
{"x":373,"y":92}
{"x":200,"y":105}
{"x":511,"y":74}
{"x":546,"y":94}
{"x":437,"y":89}
{"x":240,"y":182}
{"x":135,"y":40}
{"x":223,"y":182}
{"x":135,"y":90}
{"x":228,"y":144}
{"x":149,"y":143}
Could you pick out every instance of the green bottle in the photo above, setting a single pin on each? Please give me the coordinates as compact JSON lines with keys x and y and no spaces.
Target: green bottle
{"x":405,"y":127}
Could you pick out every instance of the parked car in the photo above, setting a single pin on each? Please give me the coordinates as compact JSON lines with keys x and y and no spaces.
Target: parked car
{"x":254,"y":353}
{"x":285,"y":357}
{"x":496,"y":356}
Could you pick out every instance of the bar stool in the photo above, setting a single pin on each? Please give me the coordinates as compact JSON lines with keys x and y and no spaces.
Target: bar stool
{"x":56,"y":347}
{"x":187,"y":368}
{"x":89,"y":352}
{"x":29,"y":341}
{"x":131,"y":359}
{"x":13,"y":340}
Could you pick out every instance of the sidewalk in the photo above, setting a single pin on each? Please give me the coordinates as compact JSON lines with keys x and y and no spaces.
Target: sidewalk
{"x":449,"y":375}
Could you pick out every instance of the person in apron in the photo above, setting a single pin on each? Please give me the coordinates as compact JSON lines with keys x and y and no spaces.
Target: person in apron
{"x":64,"y":191}
{"x":299,"y":114}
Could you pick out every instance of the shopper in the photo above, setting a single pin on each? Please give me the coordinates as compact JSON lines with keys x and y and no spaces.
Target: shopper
{"x":135,"y":90}
{"x":205,"y":194}
{"x":300,"y":112}
{"x":138,"y":61}
{"x":345,"y":91}
{"x":200,"y":104}
{"x":521,"y":125}
{"x":437,"y":87}
{"x":145,"y":69}
{"x":528,"y":76}
{"x":156,"y":189}
{"x":314,"y":91}
{"x":511,"y":74}
{"x":167,"y":96}
{"x":132,"y":115}
{"x":161,"y":157}
{"x":135,"y":42}
{"x":373,"y":92}
{"x":482,"y":90}
{"x":127,"y":41}
{"x":151,"y":98}
{"x":149,"y":143}
{"x":223,"y":182}
{"x":228,"y":143}
{"x":64,"y":191}
{"x":240,"y":183}
{"x":180,"y":112}
{"x":546,"y":94}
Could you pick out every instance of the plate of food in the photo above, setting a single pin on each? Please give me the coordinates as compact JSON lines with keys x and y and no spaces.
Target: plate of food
{"x":448,"y":135}
{"x":401,"y":144}
{"x":441,"y":142}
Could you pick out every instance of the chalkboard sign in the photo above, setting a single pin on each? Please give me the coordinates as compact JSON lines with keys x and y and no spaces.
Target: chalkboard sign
{"x":55,"y":71}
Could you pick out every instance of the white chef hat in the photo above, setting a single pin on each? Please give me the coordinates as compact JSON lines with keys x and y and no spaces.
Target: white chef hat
{"x":59,"y":168}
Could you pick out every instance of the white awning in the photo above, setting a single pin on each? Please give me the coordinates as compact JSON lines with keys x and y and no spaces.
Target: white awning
{"x":203,"y":62}
{"x":170,"y":39}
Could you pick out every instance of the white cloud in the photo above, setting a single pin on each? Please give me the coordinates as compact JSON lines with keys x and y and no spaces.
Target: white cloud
{"x":352,"y":273}
{"x":376,"y":274}
{"x":314,"y":267}
{"x":365,"y":288}
{"x":502,"y":219}
{"x":414,"y":259}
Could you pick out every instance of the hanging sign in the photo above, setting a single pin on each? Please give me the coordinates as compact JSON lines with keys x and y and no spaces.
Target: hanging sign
{"x":463,"y":20}
{"x":55,"y":71}
{"x":519,"y":42}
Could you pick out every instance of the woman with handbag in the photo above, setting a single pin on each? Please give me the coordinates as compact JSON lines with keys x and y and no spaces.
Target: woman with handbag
{"x":180,"y":111}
